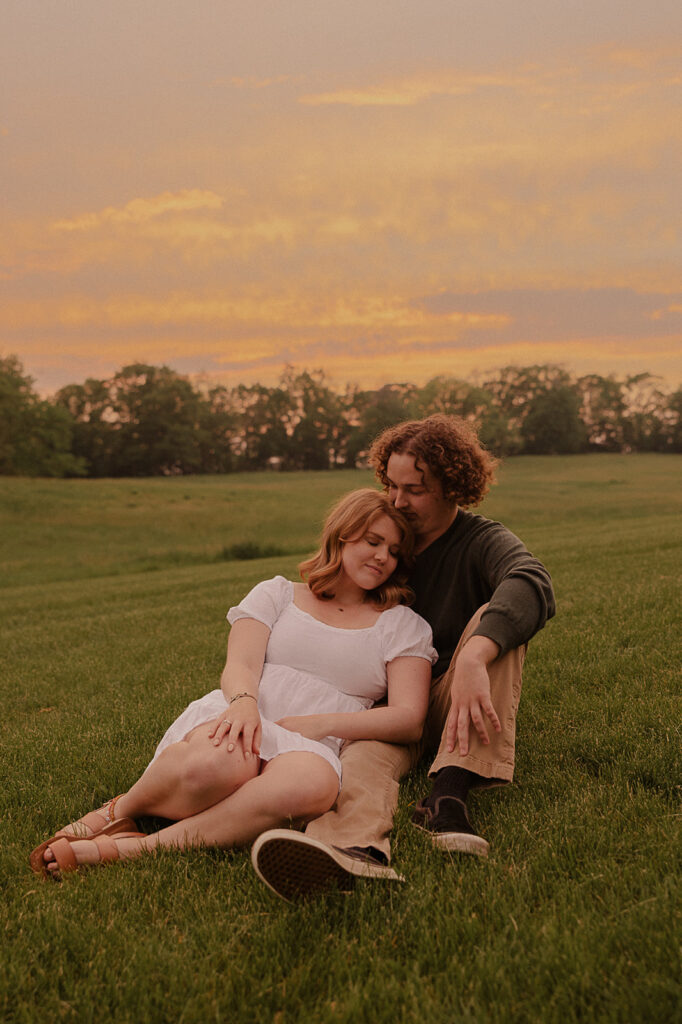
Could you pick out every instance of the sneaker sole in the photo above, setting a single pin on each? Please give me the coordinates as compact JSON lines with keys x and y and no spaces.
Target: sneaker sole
{"x":457,"y":842}
{"x":294,"y":866}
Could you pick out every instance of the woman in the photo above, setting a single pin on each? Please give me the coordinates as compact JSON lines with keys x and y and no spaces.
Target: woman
{"x":305,"y":662}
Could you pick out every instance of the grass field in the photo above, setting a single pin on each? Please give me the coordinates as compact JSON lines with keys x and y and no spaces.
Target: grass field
{"x":113,"y":596}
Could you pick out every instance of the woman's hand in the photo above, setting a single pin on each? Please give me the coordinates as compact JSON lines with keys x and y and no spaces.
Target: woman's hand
{"x":314,"y":727}
{"x":241,"y":718}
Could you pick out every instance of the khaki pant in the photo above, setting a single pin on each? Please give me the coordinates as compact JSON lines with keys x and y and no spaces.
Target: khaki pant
{"x":363,"y":814}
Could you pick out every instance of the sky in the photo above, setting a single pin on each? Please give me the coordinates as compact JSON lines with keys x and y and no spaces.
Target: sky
{"x":383,"y":189}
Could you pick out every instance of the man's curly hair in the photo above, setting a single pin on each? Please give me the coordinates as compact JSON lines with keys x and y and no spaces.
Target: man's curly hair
{"x":451,"y":450}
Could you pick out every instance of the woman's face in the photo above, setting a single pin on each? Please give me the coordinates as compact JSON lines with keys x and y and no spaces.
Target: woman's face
{"x":369,"y":559}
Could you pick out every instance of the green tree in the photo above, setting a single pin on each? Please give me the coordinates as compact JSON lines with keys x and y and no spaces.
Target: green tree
{"x":35,"y":435}
{"x":144,"y":421}
{"x":602,"y":411}
{"x":674,"y":421}
{"x":451,"y":396}
{"x":92,"y":407}
{"x":261,"y":417}
{"x":372,"y":411}
{"x":317,"y":430}
{"x":160,"y":422}
{"x":647,"y":416}
{"x":552,"y":424}
{"x":219,"y":430}
{"x":522,"y":391}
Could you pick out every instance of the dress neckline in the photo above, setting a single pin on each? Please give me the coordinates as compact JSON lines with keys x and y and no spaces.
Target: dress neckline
{"x":341,"y":629}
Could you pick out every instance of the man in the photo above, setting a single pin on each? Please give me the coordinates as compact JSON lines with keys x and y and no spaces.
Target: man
{"x":484,"y":596}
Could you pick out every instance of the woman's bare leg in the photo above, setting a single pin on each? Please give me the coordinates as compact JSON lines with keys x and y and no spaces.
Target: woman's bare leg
{"x":296,"y":786}
{"x":187,"y":777}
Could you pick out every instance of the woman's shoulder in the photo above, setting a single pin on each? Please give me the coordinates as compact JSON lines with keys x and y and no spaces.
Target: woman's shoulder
{"x":405,"y":632}
{"x":400,"y":613}
{"x":266,"y":601}
{"x":277,"y":588}
{"x":277,"y":583}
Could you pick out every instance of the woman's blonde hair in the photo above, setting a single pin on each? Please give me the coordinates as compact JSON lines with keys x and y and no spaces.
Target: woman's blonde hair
{"x":349,"y":520}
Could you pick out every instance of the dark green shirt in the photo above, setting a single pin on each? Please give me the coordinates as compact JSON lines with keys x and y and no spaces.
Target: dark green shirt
{"x":476,"y":561}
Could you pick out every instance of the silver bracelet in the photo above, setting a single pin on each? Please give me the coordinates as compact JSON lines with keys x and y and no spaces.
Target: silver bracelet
{"x":238,"y":696}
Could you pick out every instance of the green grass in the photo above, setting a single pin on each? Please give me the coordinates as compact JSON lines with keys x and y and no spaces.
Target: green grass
{"x":51,"y":530}
{"x":574,"y":917}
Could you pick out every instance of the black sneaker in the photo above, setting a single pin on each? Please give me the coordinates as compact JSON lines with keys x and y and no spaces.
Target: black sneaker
{"x":293,"y":865}
{"x":448,"y":826}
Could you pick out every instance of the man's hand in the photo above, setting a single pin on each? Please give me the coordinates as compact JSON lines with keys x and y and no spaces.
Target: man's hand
{"x":470,"y":694}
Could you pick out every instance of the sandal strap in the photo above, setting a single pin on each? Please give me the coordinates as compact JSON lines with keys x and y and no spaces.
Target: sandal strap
{"x":93,"y":821}
{"x":108,"y":850}
{"x":109,"y":812}
{"x":63,"y":854}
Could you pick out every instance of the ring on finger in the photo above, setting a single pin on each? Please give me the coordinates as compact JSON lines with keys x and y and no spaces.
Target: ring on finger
{"x":227,"y":723}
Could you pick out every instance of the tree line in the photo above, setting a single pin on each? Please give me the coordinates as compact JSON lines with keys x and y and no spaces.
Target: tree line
{"x":150,"y":420}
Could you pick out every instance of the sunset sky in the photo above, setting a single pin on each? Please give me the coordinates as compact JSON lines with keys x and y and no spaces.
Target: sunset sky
{"x":388,"y":190}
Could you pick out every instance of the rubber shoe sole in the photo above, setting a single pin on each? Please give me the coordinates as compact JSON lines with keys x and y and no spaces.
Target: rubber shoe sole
{"x":294,"y":866}
{"x":456,"y":842}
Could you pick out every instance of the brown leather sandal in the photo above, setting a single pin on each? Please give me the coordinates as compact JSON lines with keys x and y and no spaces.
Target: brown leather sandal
{"x":99,"y":824}
{"x":65,"y":858}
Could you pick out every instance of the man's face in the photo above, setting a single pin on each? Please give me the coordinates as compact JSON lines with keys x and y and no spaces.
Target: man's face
{"x":419,"y":496}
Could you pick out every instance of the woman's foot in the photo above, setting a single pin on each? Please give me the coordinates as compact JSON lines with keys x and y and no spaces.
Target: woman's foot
{"x":70,"y":854}
{"x":95,"y":823}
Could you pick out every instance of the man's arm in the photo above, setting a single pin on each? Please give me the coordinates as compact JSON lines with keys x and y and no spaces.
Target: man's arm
{"x":521,"y":603}
{"x":522,"y":597}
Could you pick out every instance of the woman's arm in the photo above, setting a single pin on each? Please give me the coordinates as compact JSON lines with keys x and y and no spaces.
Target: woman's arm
{"x":240,"y":678}
{"x":401,"y":721}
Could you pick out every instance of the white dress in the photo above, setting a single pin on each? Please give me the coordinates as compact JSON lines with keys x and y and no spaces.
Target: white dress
{"x":312,"y":668}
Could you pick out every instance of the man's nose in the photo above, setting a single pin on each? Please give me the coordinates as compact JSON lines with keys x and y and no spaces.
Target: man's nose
{"x":399,"y":501}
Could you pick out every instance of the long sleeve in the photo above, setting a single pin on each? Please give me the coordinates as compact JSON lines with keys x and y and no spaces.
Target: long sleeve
{"x":522,"y":599}
{"x":478,"y":561}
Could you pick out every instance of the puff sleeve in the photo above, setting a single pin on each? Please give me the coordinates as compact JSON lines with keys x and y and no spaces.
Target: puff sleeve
{"x":265,"y":602}
{"x":407,"y":635}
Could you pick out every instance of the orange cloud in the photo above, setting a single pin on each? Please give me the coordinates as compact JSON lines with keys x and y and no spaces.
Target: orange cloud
{"x":654,"y":65}
{"x":292,"y":312}
{"x":408,"y":91}
{"x":140,"y":211}
{"x":643,"y":58}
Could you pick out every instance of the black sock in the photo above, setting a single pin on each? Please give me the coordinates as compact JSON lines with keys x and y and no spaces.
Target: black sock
{"x":453,"y":781}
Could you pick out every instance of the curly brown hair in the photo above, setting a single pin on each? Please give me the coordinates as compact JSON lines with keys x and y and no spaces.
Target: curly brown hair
{"x":350,"y":518}
{"x":450,"y":448}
